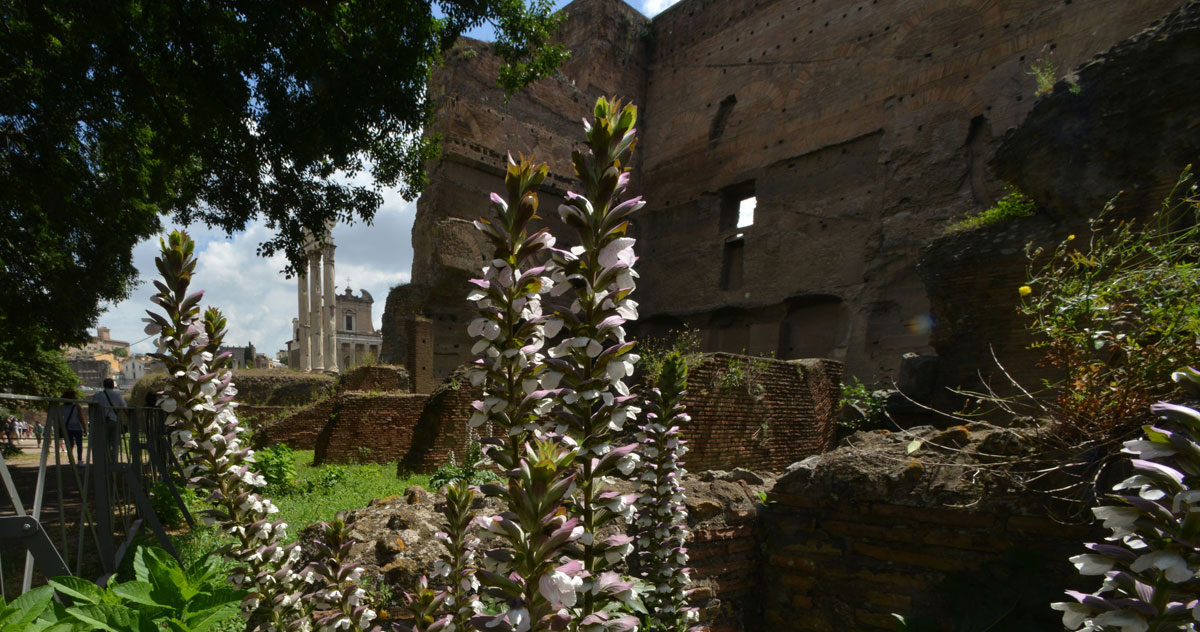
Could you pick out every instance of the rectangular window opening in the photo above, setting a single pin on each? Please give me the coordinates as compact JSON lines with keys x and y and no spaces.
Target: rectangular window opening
{"x":731,"y":264}
{"x":349,"y":323}
{"x":746,"y":212}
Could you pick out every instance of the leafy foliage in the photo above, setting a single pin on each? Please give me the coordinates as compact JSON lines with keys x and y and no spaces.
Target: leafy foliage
{"x":655,"y":351}
{"x":1119,"y":312}
{"x":163,"y":596}
{"x":1013,"y":205}
{"x":277,"y":464}
{"x":28,"y":368}
{"x":870,"y":404}
{"x":468,"y":471}
{"x":217,"y":112}
{"x":162,"y":501}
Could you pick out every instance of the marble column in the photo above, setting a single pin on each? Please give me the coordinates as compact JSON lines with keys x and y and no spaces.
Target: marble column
{"x":302,"y":362}
{"x":315,"y":328}
{"x":330,"y":324}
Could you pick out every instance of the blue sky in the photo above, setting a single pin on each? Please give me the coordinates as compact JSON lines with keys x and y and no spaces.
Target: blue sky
{"x":252,"y":291}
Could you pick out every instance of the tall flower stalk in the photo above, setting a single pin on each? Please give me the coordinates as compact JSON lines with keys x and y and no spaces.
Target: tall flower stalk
{"x":593,"y":359}
{"x":457,"y":566}
{"x":1152,"y":558}
{"x":661,"y":522}
{"x":339,"y":601}
{"x":208,"y":440}
{"x":527,"y":576}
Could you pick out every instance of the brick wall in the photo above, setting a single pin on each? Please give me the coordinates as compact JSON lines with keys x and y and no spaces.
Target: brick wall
{"x":368,"y":428}
{"x":777,"y":412}
{"x":840,"y":560}
{"x":300,"y":429}
{"x":375,"y":378}
{"x":773,"y":414}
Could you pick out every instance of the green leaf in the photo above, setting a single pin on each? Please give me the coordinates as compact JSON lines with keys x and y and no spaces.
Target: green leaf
{"x":111,"y":617}
{"x":25,"y":609}
{"x":80,"y":590}
{"x":914,"y":445}
{"x":137,"y":592}
{"x":206,"y":619}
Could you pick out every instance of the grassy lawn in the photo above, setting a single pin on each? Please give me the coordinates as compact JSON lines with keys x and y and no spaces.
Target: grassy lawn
{"x":318,"y":496}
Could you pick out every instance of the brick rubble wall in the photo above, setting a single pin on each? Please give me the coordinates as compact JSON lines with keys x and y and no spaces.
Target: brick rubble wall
{"x":369,"y":428}
{"x":300,"y":429}
{"x":779,"y":412}
{"x":442,"y":425}
{"x":382,"y":378}
{"x":869,"y":529}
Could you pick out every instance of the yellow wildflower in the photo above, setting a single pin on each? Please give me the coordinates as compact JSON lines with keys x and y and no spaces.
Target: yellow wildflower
{"x":1025,"y":290}
{"x":1070,"y":237}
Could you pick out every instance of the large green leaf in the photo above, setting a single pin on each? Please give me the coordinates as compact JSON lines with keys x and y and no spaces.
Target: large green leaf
{"x":206,"y":619}
{"x":80,"y":590}
{"x":156,"y":567}
{"x":20,"y":614}
{"x":110,"y":617}
{"x":137,"y":592}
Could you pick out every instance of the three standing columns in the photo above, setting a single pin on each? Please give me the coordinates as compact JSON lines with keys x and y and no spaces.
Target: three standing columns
{"x":317,"y":323}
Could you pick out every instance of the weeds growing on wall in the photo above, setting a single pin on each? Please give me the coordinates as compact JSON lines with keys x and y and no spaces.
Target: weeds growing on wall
{"x":869,"y":404}
{"x":1045,"y":74}
{"x":1117,"y":310}
{"x":654,"y":351}
{"x":1013,"y":205}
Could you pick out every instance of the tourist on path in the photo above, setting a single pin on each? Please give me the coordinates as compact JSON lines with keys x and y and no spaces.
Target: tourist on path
{"x":108,"y":401}
{"x":72,"y":416}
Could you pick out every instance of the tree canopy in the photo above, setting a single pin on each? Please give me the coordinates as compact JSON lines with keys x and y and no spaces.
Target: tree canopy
{"x":115,"y":114}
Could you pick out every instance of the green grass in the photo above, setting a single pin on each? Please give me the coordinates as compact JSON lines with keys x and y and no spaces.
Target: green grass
{"x":361,"y":484}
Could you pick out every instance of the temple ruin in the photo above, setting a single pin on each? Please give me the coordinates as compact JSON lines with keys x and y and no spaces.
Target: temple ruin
{"x":331,"y":330}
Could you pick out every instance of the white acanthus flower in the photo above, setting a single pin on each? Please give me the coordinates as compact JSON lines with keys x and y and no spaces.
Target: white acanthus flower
{"x":559,"y":589}
{"x":627,"y":463}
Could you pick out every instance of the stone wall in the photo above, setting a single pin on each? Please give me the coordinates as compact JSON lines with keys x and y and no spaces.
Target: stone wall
{"x":1129,"y":130}
{"x":747,"y":412}
{"x":862,"y":130}
{"x":300,"y":429}
{"x":866,"y":531}
{"x":759,"y":413}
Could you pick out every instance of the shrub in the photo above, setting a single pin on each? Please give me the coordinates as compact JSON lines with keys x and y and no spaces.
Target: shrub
{"x":277,"y":464}
{"x":1118,"y":311}
{"x":1013,"y":205}
{"x":869,"y":403}
{"x":655,"y":351}
{"x":330,"y":476}
{"x":162,"y":501}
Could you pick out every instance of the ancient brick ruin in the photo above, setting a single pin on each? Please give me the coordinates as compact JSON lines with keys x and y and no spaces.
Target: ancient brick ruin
{"x":771,"y":414}
{"x":861,"y":129}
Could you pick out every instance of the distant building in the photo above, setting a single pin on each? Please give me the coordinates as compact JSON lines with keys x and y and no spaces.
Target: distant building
{"x":91,"y":372}
{"x":133,"y":369}
{"x":241,"y":357}
{"x":102,"y":342}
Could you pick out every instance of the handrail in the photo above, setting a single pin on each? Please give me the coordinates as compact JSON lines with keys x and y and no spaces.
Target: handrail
{"x":122,"y":459}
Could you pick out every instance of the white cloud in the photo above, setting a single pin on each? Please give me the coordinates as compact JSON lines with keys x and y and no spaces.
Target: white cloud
{"x":252,"y":291}
{"x":653,"y":7}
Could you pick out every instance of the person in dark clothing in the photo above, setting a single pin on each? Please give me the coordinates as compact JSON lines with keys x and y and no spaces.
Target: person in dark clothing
{"x":75,"y":425}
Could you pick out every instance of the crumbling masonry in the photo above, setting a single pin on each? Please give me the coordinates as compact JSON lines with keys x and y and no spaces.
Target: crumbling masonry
{"x":861,"y":130}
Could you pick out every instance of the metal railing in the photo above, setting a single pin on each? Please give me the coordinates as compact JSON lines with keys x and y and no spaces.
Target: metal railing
{"x":102,"y":503}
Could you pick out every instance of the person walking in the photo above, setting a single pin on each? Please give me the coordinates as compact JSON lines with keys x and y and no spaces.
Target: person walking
{"x":37,"y":432}
{"x":108,"y":401}
{"x":76,"y":427}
